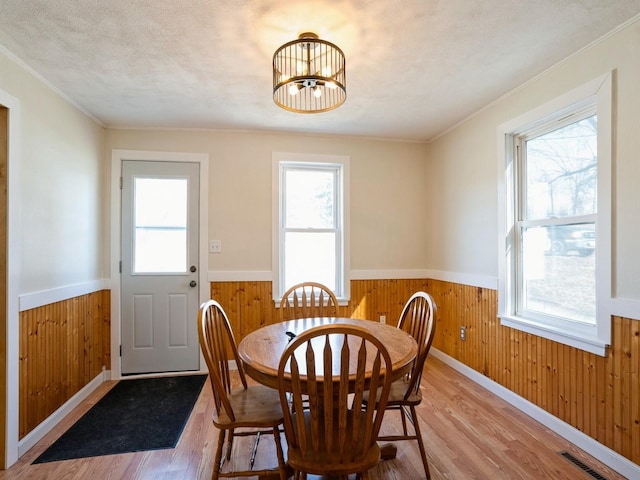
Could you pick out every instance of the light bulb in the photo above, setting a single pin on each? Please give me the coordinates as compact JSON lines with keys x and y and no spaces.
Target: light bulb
{"x":293,"y":89}
{"x":317,"y":92}
{"x":331,"y":85}
{"x":301,"y":68}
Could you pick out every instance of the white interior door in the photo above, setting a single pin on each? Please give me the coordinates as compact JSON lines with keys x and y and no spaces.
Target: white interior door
{"x":159,"y":277}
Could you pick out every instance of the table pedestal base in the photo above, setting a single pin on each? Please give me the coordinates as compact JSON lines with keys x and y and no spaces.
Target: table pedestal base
{"x":388,"y":451}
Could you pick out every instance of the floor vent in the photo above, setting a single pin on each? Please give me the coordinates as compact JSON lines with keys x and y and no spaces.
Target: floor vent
{"x":582,"y":466}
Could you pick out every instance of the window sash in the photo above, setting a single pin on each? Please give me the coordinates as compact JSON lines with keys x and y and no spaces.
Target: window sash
{"x":540,"y":271}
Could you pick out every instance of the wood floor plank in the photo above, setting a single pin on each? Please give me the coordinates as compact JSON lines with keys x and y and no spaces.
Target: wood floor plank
{"x":468,"y":432}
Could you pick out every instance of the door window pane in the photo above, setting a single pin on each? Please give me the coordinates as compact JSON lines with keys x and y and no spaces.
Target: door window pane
{"x":160,"y":225}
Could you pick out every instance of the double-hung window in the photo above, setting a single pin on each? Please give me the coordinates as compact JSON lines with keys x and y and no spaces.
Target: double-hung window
{"x":555,"y":240}
{"x":311,"y":236}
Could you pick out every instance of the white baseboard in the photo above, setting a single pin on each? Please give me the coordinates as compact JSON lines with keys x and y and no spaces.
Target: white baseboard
{"x":35,"y":435}
{"x":597,"y":450}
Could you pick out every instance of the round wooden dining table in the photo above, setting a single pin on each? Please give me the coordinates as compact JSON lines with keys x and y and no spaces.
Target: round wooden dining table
{"x":260,"y":350}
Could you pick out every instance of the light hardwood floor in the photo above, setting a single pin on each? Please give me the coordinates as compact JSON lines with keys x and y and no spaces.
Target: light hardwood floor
{"x":469,"y":434}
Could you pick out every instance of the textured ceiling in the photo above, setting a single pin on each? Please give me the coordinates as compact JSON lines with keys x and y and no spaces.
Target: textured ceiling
{"x":414,"y":67}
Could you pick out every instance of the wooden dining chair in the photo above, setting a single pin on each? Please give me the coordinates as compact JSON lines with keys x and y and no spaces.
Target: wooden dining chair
{"x":308,"y":299}
{"x":241,"y":411}
{"x":330,"y":436}
{"x":418,"y":319}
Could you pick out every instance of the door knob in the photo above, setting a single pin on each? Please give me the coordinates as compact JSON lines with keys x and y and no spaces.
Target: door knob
{"x":193,"y":268}
{"x":192,"y":283}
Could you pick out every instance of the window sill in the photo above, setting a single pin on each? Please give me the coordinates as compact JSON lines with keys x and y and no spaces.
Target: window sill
{"x":578,"y":336}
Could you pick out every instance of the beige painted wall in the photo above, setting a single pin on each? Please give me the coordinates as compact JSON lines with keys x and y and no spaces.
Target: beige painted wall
{"x":388,"y":193}
{"x":406,"y":213}
{"x":463,"y":166}
{"x":61,"y":218}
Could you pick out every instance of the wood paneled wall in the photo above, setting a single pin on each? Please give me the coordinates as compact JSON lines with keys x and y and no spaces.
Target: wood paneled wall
{"x":598,"y":395}
{"x":249,"y":305}
{"x":63,"y":346}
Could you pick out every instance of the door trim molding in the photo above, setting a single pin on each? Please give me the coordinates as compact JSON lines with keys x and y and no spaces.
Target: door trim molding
{"x":117,"y":157}
{"x":12,"y":394}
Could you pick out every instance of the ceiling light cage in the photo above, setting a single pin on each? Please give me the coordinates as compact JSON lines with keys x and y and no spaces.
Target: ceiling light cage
{"x":309,"y":75}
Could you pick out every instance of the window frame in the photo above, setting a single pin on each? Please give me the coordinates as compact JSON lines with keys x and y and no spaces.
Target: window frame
{"x":594,"y":338}
{"x":281,"y":161}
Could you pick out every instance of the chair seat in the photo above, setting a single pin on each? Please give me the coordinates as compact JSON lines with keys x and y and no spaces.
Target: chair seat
{"x":399,"y":390}
{"x":322,"y":462}
{"x":397,"y":393}
{"x":257,"y":406}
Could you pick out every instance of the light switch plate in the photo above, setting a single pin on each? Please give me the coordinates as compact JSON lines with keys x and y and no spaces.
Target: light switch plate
{"x":215,"y":246}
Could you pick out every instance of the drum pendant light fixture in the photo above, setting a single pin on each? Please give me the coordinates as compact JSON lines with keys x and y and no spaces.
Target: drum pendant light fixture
{"x":309,"y":75}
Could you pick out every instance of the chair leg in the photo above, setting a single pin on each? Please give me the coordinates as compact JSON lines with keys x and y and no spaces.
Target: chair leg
{"x":282,"y":467}
{"x":423,"y":453}
{"x":229,"y":445}
{"x":218,"y":457}
{"x":403,"y":416}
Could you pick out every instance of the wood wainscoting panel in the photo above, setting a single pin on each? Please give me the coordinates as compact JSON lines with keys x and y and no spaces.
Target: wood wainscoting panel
{"x":249,"y":305}
{"x":372,"y":298}
{"x":599,"y":396}
{"x":63,"y":346}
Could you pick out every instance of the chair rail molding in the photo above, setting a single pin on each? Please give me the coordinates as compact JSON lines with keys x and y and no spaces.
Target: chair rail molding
{"x":30,"y":300}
